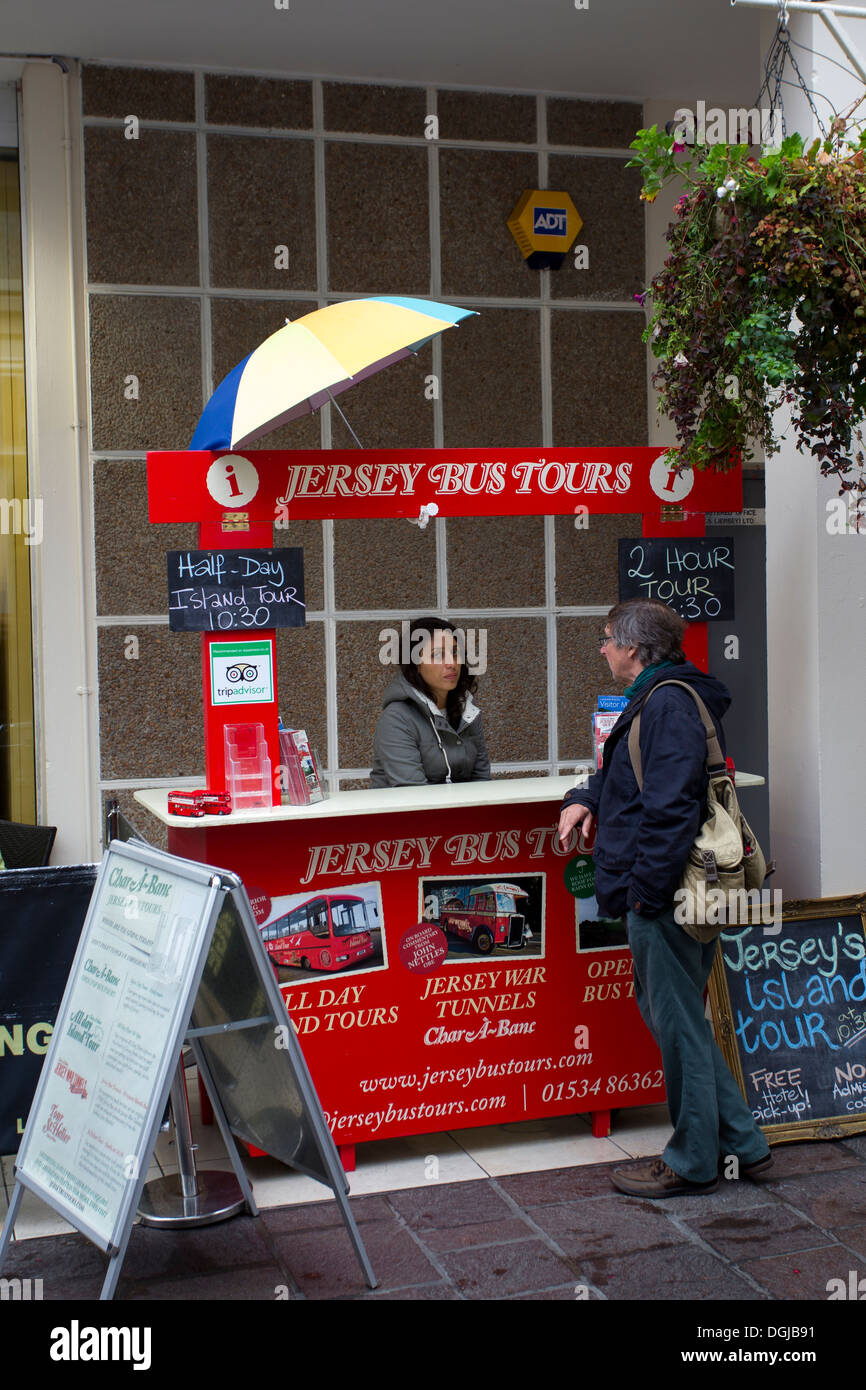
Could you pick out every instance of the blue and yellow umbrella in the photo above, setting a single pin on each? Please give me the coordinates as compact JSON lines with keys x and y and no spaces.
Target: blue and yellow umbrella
{"x":306,"y":363}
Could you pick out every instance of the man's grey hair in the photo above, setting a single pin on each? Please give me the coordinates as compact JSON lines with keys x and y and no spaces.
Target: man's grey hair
{"x":651,"y":626}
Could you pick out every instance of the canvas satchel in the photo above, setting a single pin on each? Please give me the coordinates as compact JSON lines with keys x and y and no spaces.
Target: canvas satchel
{"x":725,"y":856}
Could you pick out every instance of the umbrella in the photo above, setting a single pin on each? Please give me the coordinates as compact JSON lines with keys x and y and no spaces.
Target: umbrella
{"x":307,"y":362}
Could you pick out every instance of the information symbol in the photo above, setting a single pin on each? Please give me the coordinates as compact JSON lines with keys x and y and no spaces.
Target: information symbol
{"x":232,"y":481}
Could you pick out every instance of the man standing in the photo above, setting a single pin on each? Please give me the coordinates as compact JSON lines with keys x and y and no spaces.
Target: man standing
{"x":643,"y":838}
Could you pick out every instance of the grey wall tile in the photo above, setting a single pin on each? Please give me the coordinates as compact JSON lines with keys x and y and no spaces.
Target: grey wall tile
{"x":261,"y":195}
{"x":130,"y":551}
{"x":583,"y":675}
{"x":384,"y":564}
{"x":150,"y":708}
{"x":378,"y":237}
{"x":512,"y":693}
{"x":599,"y":378}
{"x":495,"y":562}
{"x":258,"y":101}
{"x":145,"y":825}
{"x":606,"y":194}
{"x":479,"y":190}
{"x":593,"y":124}
{"x":486,"y":116}
{"x":374,"y":110}
{"x":586,"y":560}
{"x":491,"y":380}
{"x":148,"y":93}
{"x":308,"y":535}
{"x":157,"y":339}
{"x":389,"y":410}
{"x":361,"y":682}
{"x":301,"y":683}
{"x":142,"y":219}
{"x":238,"y":326}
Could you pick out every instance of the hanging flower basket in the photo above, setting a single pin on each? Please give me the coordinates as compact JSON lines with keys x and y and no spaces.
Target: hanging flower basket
{"x":762,"y":298}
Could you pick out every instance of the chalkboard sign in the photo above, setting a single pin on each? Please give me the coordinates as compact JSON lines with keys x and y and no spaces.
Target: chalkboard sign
{"x":692,"y":574}
{"x":235,"y":590}
{"x":789,"y":1010}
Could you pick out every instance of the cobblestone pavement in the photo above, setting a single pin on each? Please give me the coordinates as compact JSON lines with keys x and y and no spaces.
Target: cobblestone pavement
{"x":555,"y":1235}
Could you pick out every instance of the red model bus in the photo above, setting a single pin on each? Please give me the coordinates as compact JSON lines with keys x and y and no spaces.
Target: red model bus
{"x":486,"y":916}
{"x":328,"y":932}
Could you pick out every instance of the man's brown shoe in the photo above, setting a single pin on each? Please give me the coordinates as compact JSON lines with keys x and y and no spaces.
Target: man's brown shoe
{"x":656,"y":1179}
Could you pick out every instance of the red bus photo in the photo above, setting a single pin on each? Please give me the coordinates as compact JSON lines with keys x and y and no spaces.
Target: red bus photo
{"x":484,"y":916}
{"x":324,"y":931}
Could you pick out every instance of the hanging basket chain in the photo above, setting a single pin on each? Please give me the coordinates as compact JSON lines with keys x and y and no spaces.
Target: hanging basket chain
{"x":779,"y":54}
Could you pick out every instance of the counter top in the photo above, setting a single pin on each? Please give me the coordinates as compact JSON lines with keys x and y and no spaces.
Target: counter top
{"x":386,"y":800}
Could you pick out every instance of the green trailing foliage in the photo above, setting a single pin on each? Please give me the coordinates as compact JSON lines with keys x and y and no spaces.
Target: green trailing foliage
{"x":762,"y":298}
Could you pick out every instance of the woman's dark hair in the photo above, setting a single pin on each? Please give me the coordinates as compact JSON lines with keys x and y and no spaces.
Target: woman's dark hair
{"x":651,"y":626}
{"x":466,"y":683}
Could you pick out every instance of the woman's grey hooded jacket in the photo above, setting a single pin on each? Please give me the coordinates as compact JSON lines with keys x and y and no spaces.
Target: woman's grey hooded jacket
{"x":414,"y":742}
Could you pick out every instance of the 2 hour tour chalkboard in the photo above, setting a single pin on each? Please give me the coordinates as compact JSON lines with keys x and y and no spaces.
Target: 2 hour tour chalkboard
{"x":235,"y":590}
{"x":789,"y":1010}
{"x":692,"y":574}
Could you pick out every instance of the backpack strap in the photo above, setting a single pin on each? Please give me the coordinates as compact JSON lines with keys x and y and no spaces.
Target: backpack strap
{"x":714,"y":751}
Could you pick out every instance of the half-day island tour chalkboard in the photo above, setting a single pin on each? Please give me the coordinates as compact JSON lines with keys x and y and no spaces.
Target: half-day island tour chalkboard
{"x":692,"y":574}
{"x":789,"y":1010}
{"x":235,"y":590}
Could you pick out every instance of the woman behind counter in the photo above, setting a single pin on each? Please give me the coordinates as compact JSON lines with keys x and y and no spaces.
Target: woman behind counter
{"x":430,"y":727}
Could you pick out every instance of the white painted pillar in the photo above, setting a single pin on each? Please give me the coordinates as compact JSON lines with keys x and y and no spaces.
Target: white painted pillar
{"x":816,"y":611}
{"x":61,"y":567}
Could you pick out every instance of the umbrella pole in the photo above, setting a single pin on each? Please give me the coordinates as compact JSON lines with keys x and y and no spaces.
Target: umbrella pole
{"x":344,"y":420}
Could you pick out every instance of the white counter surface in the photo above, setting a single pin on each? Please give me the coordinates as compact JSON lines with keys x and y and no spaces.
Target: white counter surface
{"x":386,"y":800}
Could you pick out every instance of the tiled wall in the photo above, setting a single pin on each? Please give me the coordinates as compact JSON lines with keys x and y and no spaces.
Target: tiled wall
{"x":182,"y":226}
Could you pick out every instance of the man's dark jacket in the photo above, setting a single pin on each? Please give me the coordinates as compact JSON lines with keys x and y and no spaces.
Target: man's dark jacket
{"x":643,"y":838}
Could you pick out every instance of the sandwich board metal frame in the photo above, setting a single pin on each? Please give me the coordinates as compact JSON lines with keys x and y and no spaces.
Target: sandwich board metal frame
{"x":169,"y":955}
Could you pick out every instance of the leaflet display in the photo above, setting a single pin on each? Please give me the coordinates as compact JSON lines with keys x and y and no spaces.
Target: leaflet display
{"x":116,"y":1041}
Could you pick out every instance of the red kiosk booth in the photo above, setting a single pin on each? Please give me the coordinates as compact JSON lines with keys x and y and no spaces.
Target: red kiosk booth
{"x":439,"y":952}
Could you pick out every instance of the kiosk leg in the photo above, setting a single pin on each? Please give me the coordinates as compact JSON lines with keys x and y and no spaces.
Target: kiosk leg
{"x":207,"y":1087}
{"x":600,"y":1124}
{"x":347,"y":1157}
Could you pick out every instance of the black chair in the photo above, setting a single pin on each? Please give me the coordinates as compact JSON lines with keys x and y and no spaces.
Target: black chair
{"x":25,"y":846}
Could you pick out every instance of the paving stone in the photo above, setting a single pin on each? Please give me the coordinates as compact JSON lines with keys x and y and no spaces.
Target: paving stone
{"x":564,"y":1294}
{"x":587,"y":1229}
{"x":426,"y":1292}
{"x":451,"y":1204}
{"x":324,"y":1263}
{"x":323,"y":1216}
{"x":800,"y":1276}
{"x":728,"y":1196}
{"x":818,"y":1157}
{"x":56,"y":1260}
{"x":830,"y":1199}
{"x":244,"y":1285}
{"x":678,"y":1272}
{"x":500,"y":1270}
{"x":482,"y":1233}
{"x":854,"y":1237}
{"x":856,"y":1143}
{"x":155,"y":1253}
{"x":558,"y":1185}
{"x":767,"y":1230}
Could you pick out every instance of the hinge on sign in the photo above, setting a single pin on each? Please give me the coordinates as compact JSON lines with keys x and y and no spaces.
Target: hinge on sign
{"x":710,"y":868}
{"x":672,"y":511}
{"x":236,"y":521}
